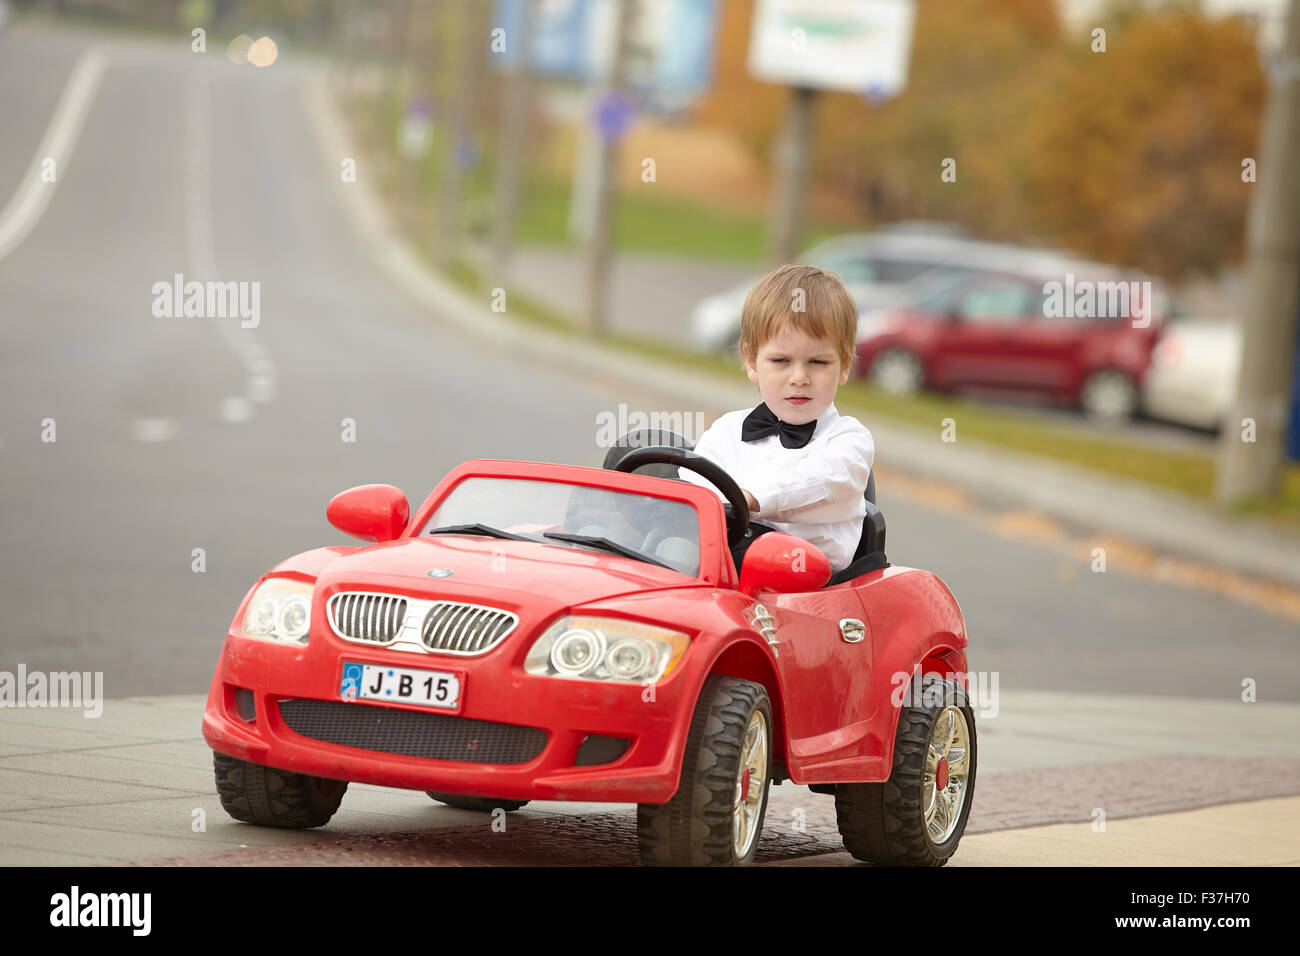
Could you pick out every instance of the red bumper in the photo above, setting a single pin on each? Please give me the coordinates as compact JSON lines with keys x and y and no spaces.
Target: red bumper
{"x":494,"y":688}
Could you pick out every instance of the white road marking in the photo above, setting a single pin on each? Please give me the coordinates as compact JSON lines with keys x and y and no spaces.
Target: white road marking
{"x":153,"y":429}
{"x":33,"y":195}
{"x":259,"y":370}
{"x":236,"y":410}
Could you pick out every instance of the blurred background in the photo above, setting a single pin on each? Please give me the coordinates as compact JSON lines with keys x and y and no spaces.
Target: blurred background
{"x":630,"y":168}
{"x":621,"y":173}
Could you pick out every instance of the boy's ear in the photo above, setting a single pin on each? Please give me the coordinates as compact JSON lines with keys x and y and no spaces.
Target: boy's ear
{"x":844,"y":374}
{"x":751,"y":369}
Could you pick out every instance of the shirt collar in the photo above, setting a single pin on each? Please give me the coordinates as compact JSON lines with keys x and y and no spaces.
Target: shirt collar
{"x":825,"y":420}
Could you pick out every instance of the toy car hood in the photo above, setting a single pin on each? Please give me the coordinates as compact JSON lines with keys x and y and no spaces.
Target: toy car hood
{"x":462,"y":567}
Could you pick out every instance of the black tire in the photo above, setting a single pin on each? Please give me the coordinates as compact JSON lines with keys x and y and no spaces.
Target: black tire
{"x":269,"y":797}
{"x":695,"y":827}
{"x":884,"y":823}
{"x":485,"y":804}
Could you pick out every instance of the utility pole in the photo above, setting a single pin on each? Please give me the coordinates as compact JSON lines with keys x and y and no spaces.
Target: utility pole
{"x":792,"y":176}
{"x":513,"y":140}
{"x":1254,"y":468}
{"x":599,"y":257}
{"x":341,"y":61}
{"x":472,"y":38}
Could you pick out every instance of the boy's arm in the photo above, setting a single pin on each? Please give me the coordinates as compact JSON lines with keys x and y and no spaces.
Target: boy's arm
{"x":826,"y":487}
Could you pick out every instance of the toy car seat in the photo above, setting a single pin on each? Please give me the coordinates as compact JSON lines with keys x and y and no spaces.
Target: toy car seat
{"x":870,"y":553}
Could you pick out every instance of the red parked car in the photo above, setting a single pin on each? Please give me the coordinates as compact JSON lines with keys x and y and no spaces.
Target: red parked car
{"x":554,"y":632}
{"x":1055,"y":330}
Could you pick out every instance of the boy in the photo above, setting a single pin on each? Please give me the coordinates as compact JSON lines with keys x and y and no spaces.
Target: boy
{"x":802,"y":466}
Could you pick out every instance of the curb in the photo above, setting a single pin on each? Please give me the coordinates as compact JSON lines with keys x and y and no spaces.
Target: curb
{"x":1167,"y":520}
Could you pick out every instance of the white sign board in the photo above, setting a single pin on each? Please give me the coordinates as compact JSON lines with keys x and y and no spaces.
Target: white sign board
{"x":858,"y":45}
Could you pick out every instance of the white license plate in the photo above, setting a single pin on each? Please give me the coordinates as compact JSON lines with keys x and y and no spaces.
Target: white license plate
{"x":404,"y":684}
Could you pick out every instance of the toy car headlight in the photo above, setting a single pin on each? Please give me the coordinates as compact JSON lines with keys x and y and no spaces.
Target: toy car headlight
{"x":606,"y":648}
{"x":280,"y":610}
{"x":577,"y":651}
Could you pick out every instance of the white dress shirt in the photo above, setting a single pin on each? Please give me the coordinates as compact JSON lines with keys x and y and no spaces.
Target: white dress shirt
{"x":814,"y":492}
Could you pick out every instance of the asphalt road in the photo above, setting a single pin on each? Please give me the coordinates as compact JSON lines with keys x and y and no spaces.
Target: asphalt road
{"x":174,"y":434}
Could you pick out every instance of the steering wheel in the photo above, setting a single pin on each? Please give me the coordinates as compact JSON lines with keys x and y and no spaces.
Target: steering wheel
{"x":737,"y":515}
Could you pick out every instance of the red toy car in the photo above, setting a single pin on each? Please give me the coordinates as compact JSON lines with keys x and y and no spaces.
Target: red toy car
{"x":556,"y":632}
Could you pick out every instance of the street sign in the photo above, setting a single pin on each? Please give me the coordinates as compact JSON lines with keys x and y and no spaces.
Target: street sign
{"x":860,"y":46}
{"x":416,"y":134}
{"x":467,"y":154}
{"x":671,"y":49}
{"x":1293,"y":432}
{"x":613,"y":115}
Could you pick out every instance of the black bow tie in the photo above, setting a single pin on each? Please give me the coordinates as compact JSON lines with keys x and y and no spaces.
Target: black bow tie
{"x":761,"y":422}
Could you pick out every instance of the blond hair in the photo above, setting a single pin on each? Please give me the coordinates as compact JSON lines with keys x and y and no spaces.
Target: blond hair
{"x":810,"y":300}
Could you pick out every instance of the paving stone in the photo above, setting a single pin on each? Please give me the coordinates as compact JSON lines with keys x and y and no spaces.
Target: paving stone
{"x":800,"y":823}
{"x":24,"y":790}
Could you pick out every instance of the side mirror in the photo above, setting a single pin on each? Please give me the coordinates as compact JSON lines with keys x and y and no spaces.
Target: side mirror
{"x":781,"y":562}
{"x":369,"y":512}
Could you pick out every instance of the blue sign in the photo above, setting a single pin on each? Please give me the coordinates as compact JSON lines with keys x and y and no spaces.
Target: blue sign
{"x":1293,"y":432}
{"x":672,"y":42}
{"x":613,"y":115}
{"x":419,"y":108}
{"x":560,"y":40}
{"x":876,"y":93}
{"x":466,"y":154}
{"x":684,"y":53}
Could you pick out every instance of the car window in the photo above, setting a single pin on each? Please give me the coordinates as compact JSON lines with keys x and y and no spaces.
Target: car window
{"x":666,"y":530}
{"x":934,"y":290}
{"x":851,"y":268}
{"x":995,"y":300}
{"x":897,"y":271}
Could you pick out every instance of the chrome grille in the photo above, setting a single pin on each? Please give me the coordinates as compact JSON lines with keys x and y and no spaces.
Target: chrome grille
{"x":465,"y":628}
{"x":373,"y":618}
{"x":416,"y":624}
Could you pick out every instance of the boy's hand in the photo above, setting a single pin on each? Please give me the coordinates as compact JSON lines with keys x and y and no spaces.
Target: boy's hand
{"x":753,"y":502}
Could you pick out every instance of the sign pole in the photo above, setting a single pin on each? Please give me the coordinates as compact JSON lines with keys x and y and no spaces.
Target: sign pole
{"x":599,"y":252}
{"x":514,"y":136}
{"x":792,"y":176}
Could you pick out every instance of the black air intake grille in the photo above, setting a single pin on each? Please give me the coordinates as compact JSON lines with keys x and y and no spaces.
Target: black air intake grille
{"x":391,"y":731}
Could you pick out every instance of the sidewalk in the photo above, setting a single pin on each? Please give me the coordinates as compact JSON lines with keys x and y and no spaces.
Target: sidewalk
{"x":136,"y":786}
{"x":1262,"y":833}
{"x":1176,"y":524}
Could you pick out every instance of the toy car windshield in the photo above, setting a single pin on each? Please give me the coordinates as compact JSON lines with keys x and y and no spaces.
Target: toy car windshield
{"x":655,"y":529}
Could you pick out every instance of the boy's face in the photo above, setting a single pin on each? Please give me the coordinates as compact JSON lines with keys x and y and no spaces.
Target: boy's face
{"x":797,"y":375}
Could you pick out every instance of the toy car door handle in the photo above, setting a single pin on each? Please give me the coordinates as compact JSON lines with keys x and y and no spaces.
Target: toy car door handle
{"x":852,"y":630}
